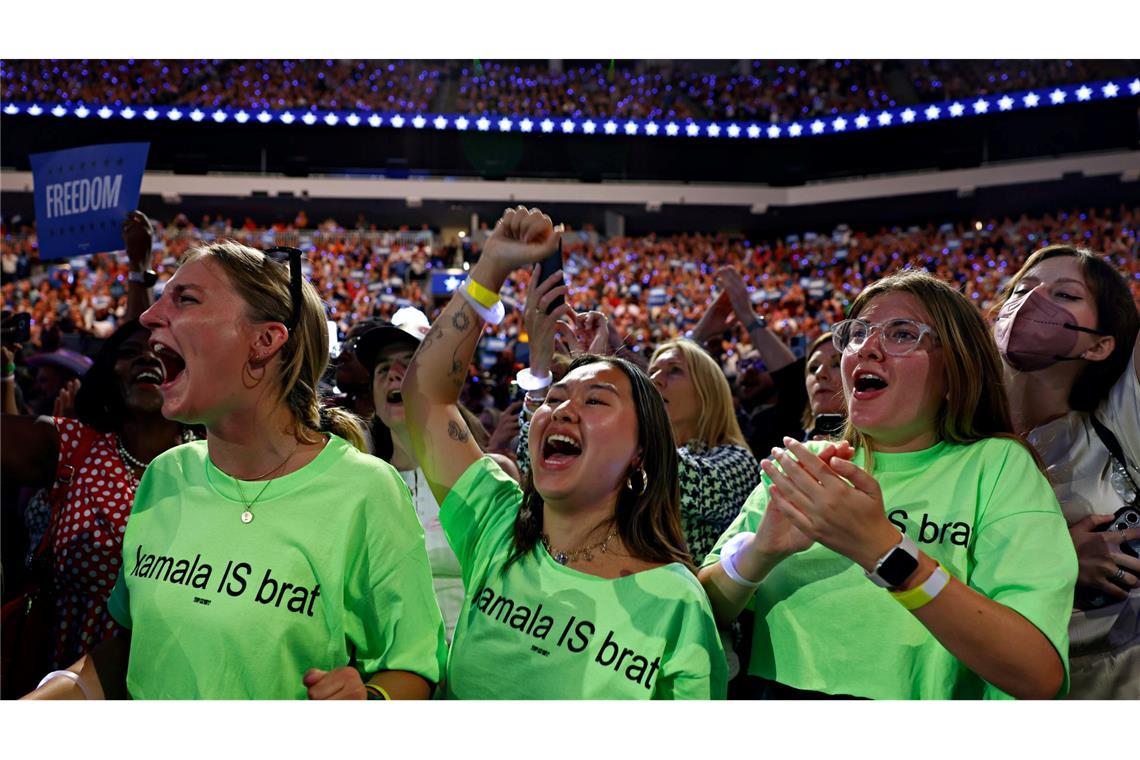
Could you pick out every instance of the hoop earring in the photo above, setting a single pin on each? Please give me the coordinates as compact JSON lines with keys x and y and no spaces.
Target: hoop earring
{"x":247,"y":371}
{"x":640,"y":491}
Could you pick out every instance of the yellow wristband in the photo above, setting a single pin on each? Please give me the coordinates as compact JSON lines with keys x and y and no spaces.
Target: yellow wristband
{"x":924,"y":593}
{"x":377,"y":692}
{"x":485,"y":297}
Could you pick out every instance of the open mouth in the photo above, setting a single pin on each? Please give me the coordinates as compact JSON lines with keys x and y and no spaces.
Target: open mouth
{"x":868,"y":385}
{"x":394,"y":397}
{"x":149,"y":375}
{"x":172,"y":363}
{"x":559,"y":449}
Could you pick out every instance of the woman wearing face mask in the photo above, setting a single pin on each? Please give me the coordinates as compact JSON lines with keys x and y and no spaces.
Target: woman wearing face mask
{"x":578,"y":585}
{"x":273,"y":560}
{"x":972,"y":598}
{"x":1067,"y":333}
{"x":826,"y":412}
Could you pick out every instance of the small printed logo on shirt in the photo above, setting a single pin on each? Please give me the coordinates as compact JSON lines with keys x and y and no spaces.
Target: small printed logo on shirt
{"x":540,"y":650}
{"x":200,"y":600}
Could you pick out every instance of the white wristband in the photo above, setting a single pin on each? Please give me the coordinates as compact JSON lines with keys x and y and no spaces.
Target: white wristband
{"x":491,"y":316}
{"x":529,"y":382}
{"x":728,"y":554}
{"x":73,"y":677}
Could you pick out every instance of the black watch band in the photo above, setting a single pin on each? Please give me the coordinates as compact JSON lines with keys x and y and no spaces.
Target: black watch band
{"x":148,"y":278}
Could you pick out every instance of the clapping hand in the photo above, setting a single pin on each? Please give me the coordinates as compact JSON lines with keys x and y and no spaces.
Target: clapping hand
{"x":340,"y":683}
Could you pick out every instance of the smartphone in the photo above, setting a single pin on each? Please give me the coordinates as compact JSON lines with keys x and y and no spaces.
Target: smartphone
{"x":18,"y":328}
{"x":1126,"y":517}
{"x":334,"y":339}
{"x":550,"y":265}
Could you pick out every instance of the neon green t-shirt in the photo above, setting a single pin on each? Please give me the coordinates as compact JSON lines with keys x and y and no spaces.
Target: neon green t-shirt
{"x":544,"y":631}
{"x":332,"y":568}
{"x":984,"y":510}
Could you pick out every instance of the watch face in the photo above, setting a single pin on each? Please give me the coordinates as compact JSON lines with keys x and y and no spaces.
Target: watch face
{"x":897,"y":567}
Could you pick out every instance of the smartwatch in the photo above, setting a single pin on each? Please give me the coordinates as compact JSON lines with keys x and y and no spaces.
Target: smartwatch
{"x":148,"y":278}
{"x":894,"y":567}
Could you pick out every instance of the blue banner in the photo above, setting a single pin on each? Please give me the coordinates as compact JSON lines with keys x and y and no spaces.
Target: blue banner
{"x":444,"y":282}
{"x":83,"y":195}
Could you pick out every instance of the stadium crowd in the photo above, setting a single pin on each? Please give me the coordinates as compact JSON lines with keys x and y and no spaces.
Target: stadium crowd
{"x":760,"y":90}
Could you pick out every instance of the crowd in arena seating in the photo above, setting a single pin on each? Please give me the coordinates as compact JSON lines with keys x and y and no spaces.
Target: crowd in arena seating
{"x":761,"y":90}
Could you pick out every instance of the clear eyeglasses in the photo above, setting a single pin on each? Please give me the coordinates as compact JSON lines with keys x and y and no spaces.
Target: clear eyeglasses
{"x":898,"y":337}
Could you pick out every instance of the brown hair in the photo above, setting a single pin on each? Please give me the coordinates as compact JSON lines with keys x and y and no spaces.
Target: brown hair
{"x":264,"y":286}
{"x":808,"y":419}
{"x":1115,"y":315}
{"x":649,"y":523}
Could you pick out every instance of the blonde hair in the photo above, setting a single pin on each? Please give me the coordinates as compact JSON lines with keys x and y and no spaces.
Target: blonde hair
{"x":264,"y":286}
{"x":976,"y":405}
{"x":717,"y":424}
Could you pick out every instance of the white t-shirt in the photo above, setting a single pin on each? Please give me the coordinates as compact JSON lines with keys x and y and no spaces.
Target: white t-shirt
{"x":1080,"y":469}
{"x":445,"y":572}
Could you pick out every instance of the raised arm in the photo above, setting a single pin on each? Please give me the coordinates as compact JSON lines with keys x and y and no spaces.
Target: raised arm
{"x":138,"y":234}
{"x":775,"y":354}
{"x":442,"y":442}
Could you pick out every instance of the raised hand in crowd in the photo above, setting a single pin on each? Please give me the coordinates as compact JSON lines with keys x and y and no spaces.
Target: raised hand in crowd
{"x":506,"y":431}
{"x":138,"y":234}
{"x":64,"y":405}
{"x":542,"y":327}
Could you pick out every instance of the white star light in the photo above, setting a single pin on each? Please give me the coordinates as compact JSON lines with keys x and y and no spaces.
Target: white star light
{"x":1005,"y":103}
{"x":713,"y":130}
{"x":981,"y":106}
{"x":733,"y":130}
{"x":81,"y":112}
{"x":956,"y":109}
{"x":1110,"y":90}
{"x":567,"y":126}
{"x":331,"y":119}
{"x":692,"y":130}
{"x":839,"y":124}
{"x":197,"y":115}
{"x":817,"y":127}
{"x":884,"y":118}
{"x":795,"y":130}
{"x":589,"y":126}
{"x":150,"y":114}
{"x":309,"y":118}
{"x":504,"y":125}
{"x":1134,"y":87}
{"x":440,"y":122}
{"x":174,"y":114}
{"x":419,"y":122}
{"x":861,"y":121}
{"x":352,"y":120}
{"x":1031,"y":100}
{"x":547,"y":126}
{"x":264,"y":117}
{"x":610,"y":127}
{"x":397,"y":121}
{"x":286,"y":118}
{"x":1084,"y":93}
{"x":241,"y":117}
{"x":451,"y":283}
{"x":630,"y":128}
{"x":35,"y":110}
{"x":375,"y":120}
{"x":526,"y":125}
{"x":908,"y":116}
{"x":1057,"y":96}
{"x":103,"y":113}
{"x":59,"y":111}
{"x":671,"y":129}
{"x":126,"y":113}
{"x":220,"y":116}
{"x":12,"y":110}
{"x":773,"y":131}
{"x":462,"y":122}
{"x":753,"y":131}
{"x":483,"y":124}
{"x":651,"y":128}
{"x":933,"y":113}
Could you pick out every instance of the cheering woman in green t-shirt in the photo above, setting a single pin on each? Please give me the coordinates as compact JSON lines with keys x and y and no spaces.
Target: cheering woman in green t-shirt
{"x":273,"y":560}
{"x":925,"y":555}
{"x":579,"y":585}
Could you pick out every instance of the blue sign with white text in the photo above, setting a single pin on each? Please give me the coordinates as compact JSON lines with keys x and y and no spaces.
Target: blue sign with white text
{"x":444,"y":283}
{"x":83,"y":195}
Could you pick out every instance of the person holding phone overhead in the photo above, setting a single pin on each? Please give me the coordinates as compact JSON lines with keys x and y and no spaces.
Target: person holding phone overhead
{"x":578,"y":585}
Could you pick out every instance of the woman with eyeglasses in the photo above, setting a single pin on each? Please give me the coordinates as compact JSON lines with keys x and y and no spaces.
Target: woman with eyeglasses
{"x":922,"y":557}
{"x":273,"y":560}
{"x":1066,"y":328}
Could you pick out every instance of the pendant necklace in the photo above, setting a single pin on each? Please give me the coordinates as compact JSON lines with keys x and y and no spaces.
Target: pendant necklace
{"x":247,"y":515}
{"x":586,"y":553}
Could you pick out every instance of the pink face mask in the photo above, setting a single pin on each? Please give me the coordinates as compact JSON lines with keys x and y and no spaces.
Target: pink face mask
{"x":1033,"y":332}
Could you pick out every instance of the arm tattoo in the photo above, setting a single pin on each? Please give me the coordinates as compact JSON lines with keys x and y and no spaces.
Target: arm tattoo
{"x":456,"y":432}
{"x":461,"y":321}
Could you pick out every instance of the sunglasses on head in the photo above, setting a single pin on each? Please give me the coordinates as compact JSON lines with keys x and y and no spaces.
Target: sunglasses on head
{"x":284,"y":254}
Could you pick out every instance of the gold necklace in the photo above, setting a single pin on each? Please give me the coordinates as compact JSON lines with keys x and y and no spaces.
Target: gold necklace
{"x":247,"y":515}
{"x":585,"y":553}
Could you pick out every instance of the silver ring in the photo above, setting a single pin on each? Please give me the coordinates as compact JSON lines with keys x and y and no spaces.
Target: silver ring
{"x":1118,"y":576}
